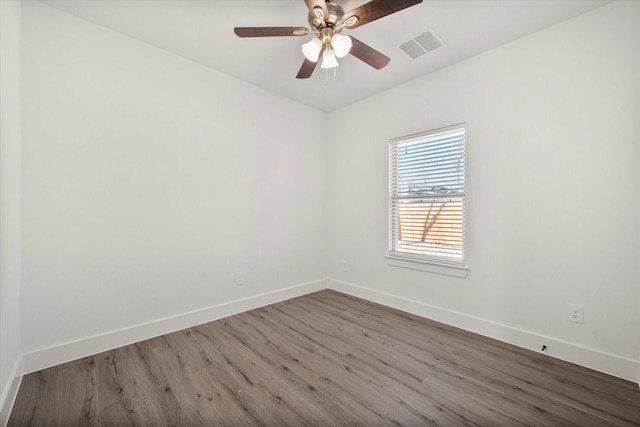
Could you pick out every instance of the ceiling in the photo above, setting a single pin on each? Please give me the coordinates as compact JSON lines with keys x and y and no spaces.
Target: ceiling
{"x":202,"y":31}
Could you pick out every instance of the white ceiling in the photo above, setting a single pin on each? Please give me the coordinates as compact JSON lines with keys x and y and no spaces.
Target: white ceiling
{"x":202,"y":31}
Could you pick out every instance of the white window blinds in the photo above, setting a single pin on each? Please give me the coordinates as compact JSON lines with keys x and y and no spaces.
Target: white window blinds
{"x":426,"y":200}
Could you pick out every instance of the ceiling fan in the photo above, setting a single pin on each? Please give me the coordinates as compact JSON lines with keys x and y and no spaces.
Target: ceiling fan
{"x":327,"y":20}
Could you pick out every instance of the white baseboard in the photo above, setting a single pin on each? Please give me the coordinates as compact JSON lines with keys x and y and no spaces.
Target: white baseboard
{"x":9,"y":393}
{"x":583,"y":356}
{"x":66,"y":352}
{"x":587,"y":357}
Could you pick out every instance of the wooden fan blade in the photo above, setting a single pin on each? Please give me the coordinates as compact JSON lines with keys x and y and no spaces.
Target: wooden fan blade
{"x":368,"y":54}
{"x":270,"y":31}
{"x":376,"y":9}
{"x":307,"y":69}
{"x":312,"y":4}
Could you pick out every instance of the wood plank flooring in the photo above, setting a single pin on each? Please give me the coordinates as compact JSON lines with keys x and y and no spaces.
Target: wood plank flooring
{"x":324,"y":359}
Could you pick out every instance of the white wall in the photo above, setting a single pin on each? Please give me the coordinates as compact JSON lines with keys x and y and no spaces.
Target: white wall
{"x":552,"y":191}
{"x":9,"y":203}
{"x":148,"y":181}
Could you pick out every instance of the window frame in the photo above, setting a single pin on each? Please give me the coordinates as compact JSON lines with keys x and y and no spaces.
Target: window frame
{"x":433,"y":263}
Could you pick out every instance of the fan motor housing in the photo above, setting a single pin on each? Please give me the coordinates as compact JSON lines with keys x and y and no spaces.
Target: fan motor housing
{"x":335,"y":17}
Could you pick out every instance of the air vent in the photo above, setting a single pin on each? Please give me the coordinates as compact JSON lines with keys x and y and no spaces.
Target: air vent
{"x":428,"y":41}
{"x":419,"y":45}
{"x":412,"y":48}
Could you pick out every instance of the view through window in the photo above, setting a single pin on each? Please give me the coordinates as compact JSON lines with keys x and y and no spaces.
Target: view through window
{"x":427,"y":196}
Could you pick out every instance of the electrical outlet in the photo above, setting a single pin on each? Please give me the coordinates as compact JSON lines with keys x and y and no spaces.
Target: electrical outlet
{"x":345,"y":266}
{"x":575,"y":313}
{"x":239,"y":279}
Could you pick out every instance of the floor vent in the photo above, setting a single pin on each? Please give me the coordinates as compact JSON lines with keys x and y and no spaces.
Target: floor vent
{"x":419,"y":45}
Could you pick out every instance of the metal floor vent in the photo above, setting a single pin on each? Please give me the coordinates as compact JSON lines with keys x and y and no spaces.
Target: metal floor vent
{"x":419,"y":45}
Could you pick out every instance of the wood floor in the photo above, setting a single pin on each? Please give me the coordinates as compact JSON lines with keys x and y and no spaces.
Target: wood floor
{"x":324,"y":359}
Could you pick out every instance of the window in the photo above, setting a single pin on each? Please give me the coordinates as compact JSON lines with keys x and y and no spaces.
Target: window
{"x":426,"y":196}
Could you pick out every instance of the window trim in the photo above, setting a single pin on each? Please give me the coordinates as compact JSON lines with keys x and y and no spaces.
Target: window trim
{"x":440,"y":265}
{"x":428,"y":265}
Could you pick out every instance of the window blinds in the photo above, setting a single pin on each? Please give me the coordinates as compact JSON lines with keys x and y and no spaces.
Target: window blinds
{"x":427,"y":195}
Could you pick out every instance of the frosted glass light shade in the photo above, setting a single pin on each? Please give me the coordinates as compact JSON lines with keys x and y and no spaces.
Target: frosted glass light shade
{"x":311,"y":50}
{"x":329,"y":59}
{"x":341,"y":45}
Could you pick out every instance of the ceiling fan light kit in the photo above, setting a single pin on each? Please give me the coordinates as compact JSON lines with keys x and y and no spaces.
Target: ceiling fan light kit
{"x":329,"y":59}
{"x":341,"y":45}
{"x":327,"y":19}
{"x":336,"y":46}
{"x":312,"y":49}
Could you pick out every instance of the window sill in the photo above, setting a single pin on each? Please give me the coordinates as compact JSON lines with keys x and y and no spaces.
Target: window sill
{"x":429,"y":266}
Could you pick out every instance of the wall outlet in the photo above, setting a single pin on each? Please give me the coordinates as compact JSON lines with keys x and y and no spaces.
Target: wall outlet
{"x":239,"y":279}
{"x":575,"y":313}
{"x":345,"y":266}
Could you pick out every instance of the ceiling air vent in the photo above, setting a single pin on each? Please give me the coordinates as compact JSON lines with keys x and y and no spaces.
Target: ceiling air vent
{"x":419,"y":45}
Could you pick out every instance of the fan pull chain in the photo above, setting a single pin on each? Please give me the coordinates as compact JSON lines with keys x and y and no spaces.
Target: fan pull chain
{"x":326,"y":74}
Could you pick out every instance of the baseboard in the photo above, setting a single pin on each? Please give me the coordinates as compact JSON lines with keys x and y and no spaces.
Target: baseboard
{"x":9,"y":393}
{"x":66,"y":352}
{"x":583,"y":356}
